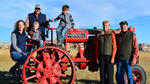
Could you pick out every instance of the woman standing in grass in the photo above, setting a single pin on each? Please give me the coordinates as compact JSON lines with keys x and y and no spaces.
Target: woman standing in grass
{"x":105,"y":53}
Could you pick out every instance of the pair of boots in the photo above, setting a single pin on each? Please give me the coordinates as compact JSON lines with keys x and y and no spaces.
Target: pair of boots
{"x":59,"y":44}
{"x":13,"y":69}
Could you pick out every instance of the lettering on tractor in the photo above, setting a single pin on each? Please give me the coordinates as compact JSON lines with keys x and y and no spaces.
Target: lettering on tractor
{"x":76,"y":35}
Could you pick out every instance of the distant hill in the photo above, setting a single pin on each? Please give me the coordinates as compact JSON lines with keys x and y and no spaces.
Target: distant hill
{"x":142,"y":46}
{"x":5,"y":45}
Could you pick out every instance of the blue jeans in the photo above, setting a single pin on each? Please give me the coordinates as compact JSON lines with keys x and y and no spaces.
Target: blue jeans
{"x":121,"y":65}
{"x":61,"y":31}
{"x":18,"y":57}
{"x":30,"y":47}
{"x":41,"y":42}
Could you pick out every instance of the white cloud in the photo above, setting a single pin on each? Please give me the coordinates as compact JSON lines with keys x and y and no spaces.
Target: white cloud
{"x":11,"y":11}
{"x":86,"y":13}
{"x":93,"y":12}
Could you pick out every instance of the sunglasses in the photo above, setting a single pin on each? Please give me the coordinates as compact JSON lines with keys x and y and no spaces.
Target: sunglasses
{"x":38,"y":8}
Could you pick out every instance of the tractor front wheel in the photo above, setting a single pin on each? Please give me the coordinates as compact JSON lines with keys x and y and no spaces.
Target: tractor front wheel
{"x":49,"y":65}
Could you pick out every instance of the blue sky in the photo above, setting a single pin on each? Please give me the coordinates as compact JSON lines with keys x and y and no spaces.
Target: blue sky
{"x":86,"y":14}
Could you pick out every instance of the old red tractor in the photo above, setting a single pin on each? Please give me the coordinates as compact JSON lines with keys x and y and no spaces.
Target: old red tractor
{"x":52,"y":65}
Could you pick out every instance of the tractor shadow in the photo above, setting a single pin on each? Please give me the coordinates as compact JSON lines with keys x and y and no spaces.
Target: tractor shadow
{"x":7,"y":79}
{"x":13,"y":80}
{"x":81,"y":81}
{"x":84,"y":81}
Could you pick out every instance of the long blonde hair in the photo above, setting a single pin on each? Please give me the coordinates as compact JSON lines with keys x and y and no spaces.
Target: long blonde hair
{"x":16,"y":25}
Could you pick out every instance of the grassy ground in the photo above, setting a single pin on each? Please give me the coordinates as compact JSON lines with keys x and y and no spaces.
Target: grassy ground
{"x":84,"y":76}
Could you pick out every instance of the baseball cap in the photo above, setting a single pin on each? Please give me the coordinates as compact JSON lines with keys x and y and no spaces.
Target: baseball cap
{"x":38,"y":6}
{"x":123,"y":22}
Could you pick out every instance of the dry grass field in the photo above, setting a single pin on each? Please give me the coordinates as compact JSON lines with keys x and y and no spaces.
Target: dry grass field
{"x":84,"y":76}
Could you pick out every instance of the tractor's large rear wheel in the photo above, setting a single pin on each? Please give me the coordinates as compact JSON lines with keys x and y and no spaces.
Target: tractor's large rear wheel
{"x":49,"y":65}
{"x":139,"y":75}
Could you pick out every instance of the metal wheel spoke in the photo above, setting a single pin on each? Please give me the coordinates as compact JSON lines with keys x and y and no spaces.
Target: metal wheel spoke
{"x":59,"y":81}
{"x":33,"y":76}
{"x":56,"y":64}
{"x":50,"y":80}
{"x":64,"y":75}
{"x":54,"y":51}
{"x":68,"y":76}
{"x":35,"y":60}
{"x":69,"y":65}
{"x":60,"y":55}
{"x":52,"y":55}
{"x":38,"y":82}
{"x":61,"y":59}
{"x":46,"y":61}
{"x":43,"y":55}
{"x":42,"y":80}
{"x":135,"y":74}
{"x":30,"y":67}
{"x":40,"y":68}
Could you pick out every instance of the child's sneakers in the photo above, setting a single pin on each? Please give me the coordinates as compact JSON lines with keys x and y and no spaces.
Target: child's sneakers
{"x":59,"y":43}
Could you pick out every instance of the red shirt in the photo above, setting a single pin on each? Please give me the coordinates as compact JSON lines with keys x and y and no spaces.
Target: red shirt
{"x":135,"y":48}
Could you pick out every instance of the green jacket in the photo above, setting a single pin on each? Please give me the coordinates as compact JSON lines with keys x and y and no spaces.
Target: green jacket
{"x":124,"y":46}
{"x":105,"y":43}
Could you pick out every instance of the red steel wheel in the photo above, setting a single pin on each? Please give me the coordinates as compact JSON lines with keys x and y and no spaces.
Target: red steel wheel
{"x":139,"y":75}
{"x":49,"y":66}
